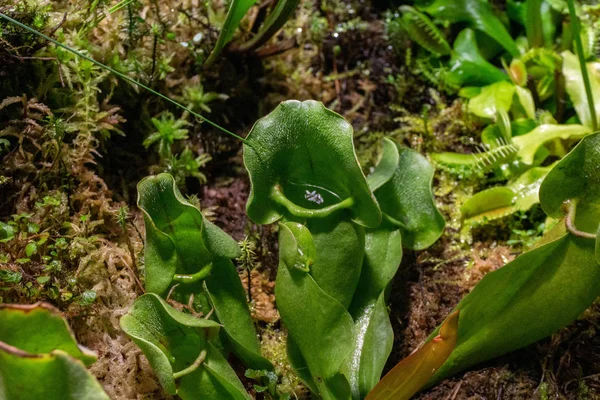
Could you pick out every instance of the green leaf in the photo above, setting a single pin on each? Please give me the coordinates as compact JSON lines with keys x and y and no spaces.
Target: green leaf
{"x":529,"y":143}
{"x":467,"y":65}
{"x":339,"y":247}
{"x":178,"y":238}
{"x":173,"y":341}
{"x":576,"y":89}
{"x":576,"y":178}
{"x":320,"y":340}
{"x":478,"y":14}
{"x":528,"y":299}
{"x":181,"y":246}
{"x":40,"y":359}
{"x":386,"y":168}
{"x":236,"y":12}
{"x":406,"y":200}
{"x":421,"y":30}
{"x":374,"y":335}
{"x":229,"y":301}
{"x":410,"y":374}
{"x":498,"y":202}
{"x":30,"y":249}
{"x":283,"y":10}
{"x":301,"y":161}
{"x":493,"y":98}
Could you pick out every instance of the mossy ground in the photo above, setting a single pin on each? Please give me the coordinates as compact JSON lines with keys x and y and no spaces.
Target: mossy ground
{"x":72,"y":150}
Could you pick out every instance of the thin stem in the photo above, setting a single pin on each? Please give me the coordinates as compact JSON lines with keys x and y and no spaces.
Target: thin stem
{"x":191,"y":368}
{"x":121,"y":75}
{"x":584,"y":70}
{"x":571,"y":209}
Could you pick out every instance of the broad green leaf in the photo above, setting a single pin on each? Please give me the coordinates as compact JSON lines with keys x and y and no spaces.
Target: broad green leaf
{"x":467,"y":65}
{"x":410,"y":374}
{"x":282,"y":11}
{"x":529,"y":143}
{"x":40,"y":358}
{"x":173,"y":342}
{"x":339,"y":249}
{"x":237,"y":10}
{"x":420,"y":29}
{"x":528,"y":299}
{"x":576,"y":178}
{"x":406,"y":200}
{"x":478,"y":14}
{"x":501,"y":201}
{"x":179,"y":241}
{"x":301,"y":161}
{"x":526,"y":99}
{"x":493,"y":98}
{"x":374,"y":334}
{"x":533,"y":23}
{"x":576,"y":89}
{"x":229,"y":301}
{"x":318,"y":325}
{"x":386,"y":168}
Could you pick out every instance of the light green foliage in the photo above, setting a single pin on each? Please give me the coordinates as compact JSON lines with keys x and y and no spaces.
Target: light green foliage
{"x":179,"y":349}
{"x":40,"y":358}
{"x":478,"y":14}
{"x":420,"y":29}
{"x":168,"y":130}
{"x":498,"y":202}
{"x":546,"y":288}
{"x":576,"y":89}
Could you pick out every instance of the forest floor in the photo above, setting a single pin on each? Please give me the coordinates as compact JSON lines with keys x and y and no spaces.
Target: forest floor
{"x":71,"y":174}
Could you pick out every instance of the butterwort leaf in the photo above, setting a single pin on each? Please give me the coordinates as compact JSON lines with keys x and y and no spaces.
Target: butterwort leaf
{"x":301,"y":162}
{"x":406,"y":200}
{"x":178,"y":348}
{"x":40,"y":358}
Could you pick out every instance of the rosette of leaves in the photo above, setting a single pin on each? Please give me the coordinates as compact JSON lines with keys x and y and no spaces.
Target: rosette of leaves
{"x":189,"y":258}
{"x":40,"y":358}
{"x":336,"y":256}
{"x":546,"y":288}
{"x":182,"y":351}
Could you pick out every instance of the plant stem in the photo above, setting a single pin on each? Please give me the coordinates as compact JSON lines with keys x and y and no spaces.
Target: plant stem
{"x":571,"y":209}
{"x":120,"y":75}
{"x":192,"y":367}
{"x":582,"y":65}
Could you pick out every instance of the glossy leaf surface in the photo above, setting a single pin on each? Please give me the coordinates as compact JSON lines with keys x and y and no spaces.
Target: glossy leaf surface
{"x":40,"y":358}
{"x":575,"y":87}
{"x":319,"y":326}
{"x":237,"y":10}
{"x":492,"y":99}
{"x":410,"y":374}
{"x":406,"y":200}
{"x":374,"y":335}
{"x":528,"y":299}
{"x":501,"y":201}
{"x":180,"y":242}
{"x":173,"y":341}
{"x":178,"y":238}
{"x":301,"y":161}
{"x":576,"y":178}
{"x":478,"y":14}
{"x":529,"y":143}
{"x":467,"y":65}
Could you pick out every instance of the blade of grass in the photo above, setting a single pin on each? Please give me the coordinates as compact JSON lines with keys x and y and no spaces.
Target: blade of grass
{"x":584,"y":71}
{"x":120,"y":75}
